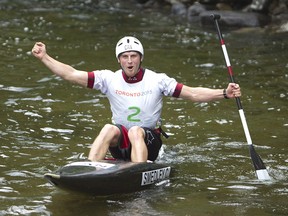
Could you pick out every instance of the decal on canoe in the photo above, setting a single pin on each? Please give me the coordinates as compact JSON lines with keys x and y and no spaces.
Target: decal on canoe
{"x":99,"y":165}
{"x":150,"y":177}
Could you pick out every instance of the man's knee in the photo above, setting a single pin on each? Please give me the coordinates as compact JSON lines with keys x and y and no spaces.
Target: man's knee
{"x":111,"y":132}
{"x":110,"y":128}
{"x":136,"y":132}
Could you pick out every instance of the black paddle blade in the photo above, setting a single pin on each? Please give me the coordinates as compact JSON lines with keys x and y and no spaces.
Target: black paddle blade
{"x":259,"y":166}
{"x":257,"y":161}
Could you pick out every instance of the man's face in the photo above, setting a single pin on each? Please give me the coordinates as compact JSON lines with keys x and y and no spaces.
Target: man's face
{"x":130,"y":62}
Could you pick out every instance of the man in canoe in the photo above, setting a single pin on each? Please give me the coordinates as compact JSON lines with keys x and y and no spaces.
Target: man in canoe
{"x":135,"y":95}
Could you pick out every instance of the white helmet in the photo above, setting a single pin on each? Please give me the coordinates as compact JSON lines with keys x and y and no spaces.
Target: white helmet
{"x":129,"y":43}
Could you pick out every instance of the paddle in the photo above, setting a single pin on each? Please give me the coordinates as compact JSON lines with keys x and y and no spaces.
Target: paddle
{"x":259,"y":166}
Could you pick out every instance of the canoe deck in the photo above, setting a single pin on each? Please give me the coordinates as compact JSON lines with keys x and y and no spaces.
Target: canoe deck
{"x":108,"y":176}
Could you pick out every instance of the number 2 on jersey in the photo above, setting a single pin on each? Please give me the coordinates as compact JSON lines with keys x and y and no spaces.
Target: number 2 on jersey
{"x":132,"y":117}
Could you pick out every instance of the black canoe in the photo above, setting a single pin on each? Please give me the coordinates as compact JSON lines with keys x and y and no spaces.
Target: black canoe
{"x":108,"y":176}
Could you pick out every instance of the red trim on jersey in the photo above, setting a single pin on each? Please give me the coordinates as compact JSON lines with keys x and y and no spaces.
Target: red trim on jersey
{"x":177,"y":90}
{"x":137,"y":78}
{"x":91,"y":78}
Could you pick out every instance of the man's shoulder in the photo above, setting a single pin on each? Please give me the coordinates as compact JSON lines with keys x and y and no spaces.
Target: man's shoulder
{"x":147,"y":70}
{"x":155,"y":74}
{"x":106,"y":72}
{"x":103,"y":71}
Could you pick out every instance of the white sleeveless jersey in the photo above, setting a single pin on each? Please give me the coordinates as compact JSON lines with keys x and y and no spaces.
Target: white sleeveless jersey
{"x":135,"y":104}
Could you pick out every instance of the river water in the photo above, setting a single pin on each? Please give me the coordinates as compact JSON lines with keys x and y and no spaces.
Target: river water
{"x":47,"y":122}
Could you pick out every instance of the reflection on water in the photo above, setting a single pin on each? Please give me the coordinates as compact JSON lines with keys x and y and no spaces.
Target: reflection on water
{"x":46,"y":122}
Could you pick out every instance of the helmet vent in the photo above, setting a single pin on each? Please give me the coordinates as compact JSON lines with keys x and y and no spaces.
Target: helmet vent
{"x":128,"y":41}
